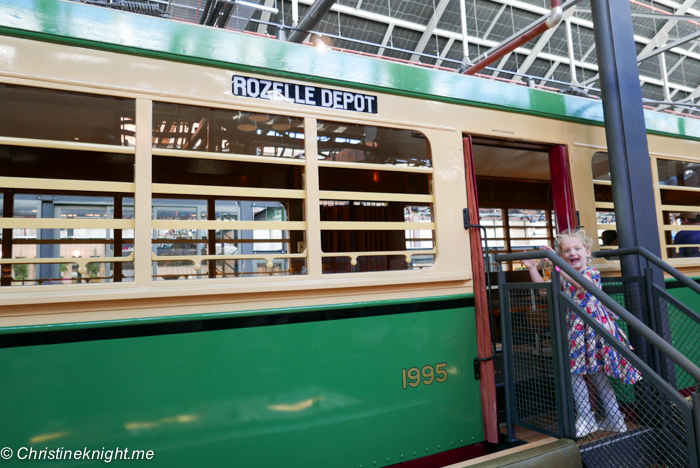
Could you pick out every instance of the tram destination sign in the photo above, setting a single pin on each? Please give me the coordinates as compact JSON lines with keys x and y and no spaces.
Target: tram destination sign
{"x":250,"y":87}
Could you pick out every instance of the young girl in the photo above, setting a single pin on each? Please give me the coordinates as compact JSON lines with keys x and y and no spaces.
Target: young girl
{"x":590,"y":354}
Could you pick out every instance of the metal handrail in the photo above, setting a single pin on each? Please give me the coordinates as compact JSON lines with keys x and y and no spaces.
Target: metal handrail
{"x":683,"y":279}
{"x":656,"y":340}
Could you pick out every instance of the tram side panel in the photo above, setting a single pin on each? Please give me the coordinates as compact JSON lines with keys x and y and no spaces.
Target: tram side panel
{"x":326,"y":392}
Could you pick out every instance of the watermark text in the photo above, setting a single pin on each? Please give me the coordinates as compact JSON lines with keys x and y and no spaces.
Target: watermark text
{"x":106,"y":455}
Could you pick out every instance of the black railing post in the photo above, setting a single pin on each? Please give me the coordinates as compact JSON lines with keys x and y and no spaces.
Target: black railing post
{"x":656,"y":323}
{"x":507,"y":356}
{"x":560,"y":338}
{"x":696,"y":421}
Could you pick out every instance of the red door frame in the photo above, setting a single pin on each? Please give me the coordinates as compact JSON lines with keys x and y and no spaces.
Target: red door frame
{"x":566,"y":219}
{"x":487,"y":381}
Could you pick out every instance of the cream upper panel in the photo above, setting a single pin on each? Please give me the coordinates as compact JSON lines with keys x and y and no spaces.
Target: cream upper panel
{"x":54,"y":66}
{"x":51,"y":65}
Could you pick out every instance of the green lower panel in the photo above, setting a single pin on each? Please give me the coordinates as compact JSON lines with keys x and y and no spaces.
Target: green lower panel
{"x":685,"y":333}
{"x":316,"y":394}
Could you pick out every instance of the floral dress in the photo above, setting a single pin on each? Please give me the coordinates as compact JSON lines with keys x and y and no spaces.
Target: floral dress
{"x":589,"y":352}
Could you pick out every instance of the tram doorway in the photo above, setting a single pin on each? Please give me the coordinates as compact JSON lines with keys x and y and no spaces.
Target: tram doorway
{"x":519,"y":194}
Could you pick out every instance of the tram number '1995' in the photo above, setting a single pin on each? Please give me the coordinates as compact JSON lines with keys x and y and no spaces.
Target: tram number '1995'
{"x":428,"y":374}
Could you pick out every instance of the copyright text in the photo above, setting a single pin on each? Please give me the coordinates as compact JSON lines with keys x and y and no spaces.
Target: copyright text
{"x":106,"y":455}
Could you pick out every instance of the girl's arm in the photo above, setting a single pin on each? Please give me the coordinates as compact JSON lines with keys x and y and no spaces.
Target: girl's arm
{"x":534,"y":272}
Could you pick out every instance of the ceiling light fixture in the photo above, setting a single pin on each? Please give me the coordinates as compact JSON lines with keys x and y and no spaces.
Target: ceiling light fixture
{"x":246,"y":124}
{"x":259,"y":117}
{"x":281,"y":123}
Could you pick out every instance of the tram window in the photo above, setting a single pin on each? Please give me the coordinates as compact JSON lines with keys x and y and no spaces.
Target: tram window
{"x":679,"y":190}
{"x":262,"y":252}
{"x":373,"y":145}
{"x":372,"y":219}
{"x":225,"y":131}
{"x":678,"y":173}
{"x":73,"y":245}
{"x":46,"y":114}
{"x":357,"y":242}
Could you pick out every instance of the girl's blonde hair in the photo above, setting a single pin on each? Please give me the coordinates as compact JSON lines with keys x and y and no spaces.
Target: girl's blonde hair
{"x":579,"y":234}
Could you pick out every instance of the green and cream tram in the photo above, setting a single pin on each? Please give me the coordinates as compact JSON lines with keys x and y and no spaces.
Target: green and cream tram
{"x":228,"y":250}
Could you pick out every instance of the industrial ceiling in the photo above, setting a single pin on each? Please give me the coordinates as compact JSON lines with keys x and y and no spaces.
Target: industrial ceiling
{"x":431,"y":33}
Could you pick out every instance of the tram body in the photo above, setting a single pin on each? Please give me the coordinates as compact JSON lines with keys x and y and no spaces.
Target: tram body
{"x":177,"y":282}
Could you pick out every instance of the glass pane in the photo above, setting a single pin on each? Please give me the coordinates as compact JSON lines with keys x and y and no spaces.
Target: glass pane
{"x":65,"y":116}
{"x":370,"y":144}
{"x":214,"y":172}
{"x":526,"y":225}
{"x":362,"y":180}
{"x":70,"y":243}
{"x":605,"y":216}
{"x":493,"y":217}
{"x":684,"y":236}
{"x":376,"y":240}
{"x":680,"y":197}
{"x":682,"y":174}
{"x":228,"y":242}
{"x":603,"y":193}
{"x":418,"y":238}
{"x":226,"y":131}
{"x":601,"y":166}
{"x":49,"y":163}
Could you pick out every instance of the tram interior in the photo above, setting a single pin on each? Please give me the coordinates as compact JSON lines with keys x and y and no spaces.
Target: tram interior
{"x":515,"y":204}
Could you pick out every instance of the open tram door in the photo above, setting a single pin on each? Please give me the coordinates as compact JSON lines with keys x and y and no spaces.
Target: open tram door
{"x":517,"y":179}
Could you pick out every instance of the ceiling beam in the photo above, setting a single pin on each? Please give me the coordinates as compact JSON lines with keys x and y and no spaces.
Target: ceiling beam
{"x":662,"y":34}
{"x":550,"y":72}
{"x":445,"y":51}
{"x":385,"y":41}
{"x":432,"y":24}
{"x":489,"y":43}
{"x":265,"y":17}
{"x":359,"y":13}
{"x":494,"y":21}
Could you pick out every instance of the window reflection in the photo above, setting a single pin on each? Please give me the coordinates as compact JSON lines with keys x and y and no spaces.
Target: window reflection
{"x":679,"y":173}
{"x":225,"y":131}
{"x":47,"y":114}
{"x":373,"y":145}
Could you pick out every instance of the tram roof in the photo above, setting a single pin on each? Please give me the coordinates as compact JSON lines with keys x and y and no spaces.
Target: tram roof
{"x":105,"y":29}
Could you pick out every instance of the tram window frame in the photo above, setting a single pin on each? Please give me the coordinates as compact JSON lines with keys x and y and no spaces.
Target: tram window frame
{"x":354,"y":238}
{"x":675,"y":198}
{"x":416,"y":239}
{"x":57,"y":151}
{"x":249,"y":177}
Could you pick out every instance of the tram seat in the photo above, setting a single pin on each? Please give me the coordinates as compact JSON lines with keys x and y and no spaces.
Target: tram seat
{"x":546,"y":453}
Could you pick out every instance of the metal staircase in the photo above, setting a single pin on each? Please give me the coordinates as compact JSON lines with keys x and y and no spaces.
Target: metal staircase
{"x":661,"y":411}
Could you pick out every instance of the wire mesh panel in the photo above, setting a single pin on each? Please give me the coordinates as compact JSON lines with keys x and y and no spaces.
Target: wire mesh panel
{"x":629,"y":292}
{"x":533,"y":376}
{"x":626,"y":415}
{"x":684,"y":326}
